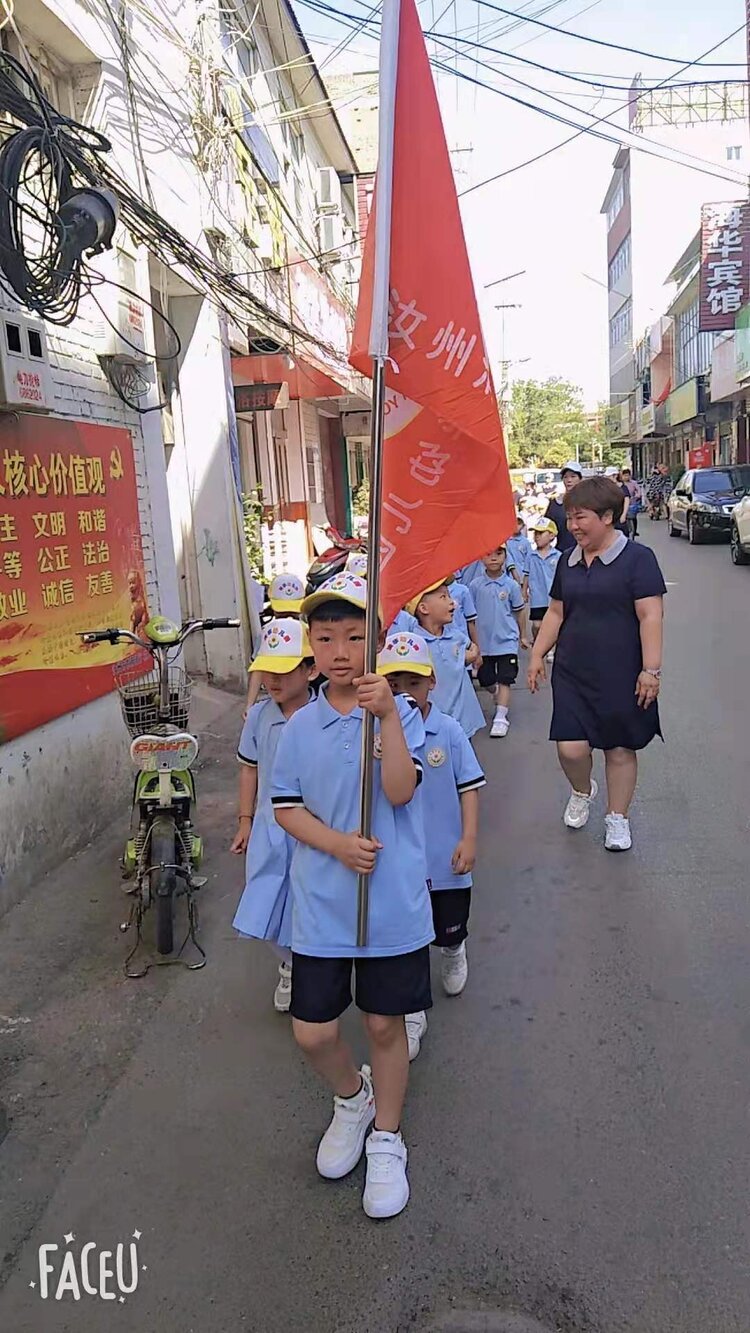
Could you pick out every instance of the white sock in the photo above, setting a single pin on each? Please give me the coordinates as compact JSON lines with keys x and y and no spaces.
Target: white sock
{"x":450,"y":952}
{"x":501,"y":711}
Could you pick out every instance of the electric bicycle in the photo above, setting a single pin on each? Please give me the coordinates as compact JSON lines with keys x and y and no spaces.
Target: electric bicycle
{"x":164,"y":853}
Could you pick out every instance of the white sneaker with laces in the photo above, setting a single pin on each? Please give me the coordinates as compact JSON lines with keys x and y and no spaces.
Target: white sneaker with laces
{"x":282,"y":996}
{"x":386,"y":1187}
{"x":341,"y":1146}
{"x":416,"y":1026}
{"x":455,"y":969}
{"x":500,"y":726}
{"x":617,"y":838}
{"x":578,"y":809}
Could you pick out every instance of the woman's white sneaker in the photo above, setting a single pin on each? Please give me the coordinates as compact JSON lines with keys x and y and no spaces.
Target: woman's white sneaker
{"x":578,"y":809}
{"x":282,"y":996}
{"x":455,"y":969}
{"x":416,"y":1026}
{"x":617,"y":837}
{"x":341,"y":1146}
{"x":386,"y":1187}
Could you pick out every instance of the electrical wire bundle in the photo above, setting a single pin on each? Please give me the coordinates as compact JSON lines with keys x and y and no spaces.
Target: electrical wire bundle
{"x":42,"y":231}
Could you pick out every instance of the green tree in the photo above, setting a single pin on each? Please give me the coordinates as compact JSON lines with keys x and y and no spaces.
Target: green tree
{"x":548,"y":424}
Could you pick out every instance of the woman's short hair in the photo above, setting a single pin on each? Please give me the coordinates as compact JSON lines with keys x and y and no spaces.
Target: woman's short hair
{"x":600,"y":494}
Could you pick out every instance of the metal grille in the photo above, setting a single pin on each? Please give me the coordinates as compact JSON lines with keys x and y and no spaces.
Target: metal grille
{"x":140,"y":701}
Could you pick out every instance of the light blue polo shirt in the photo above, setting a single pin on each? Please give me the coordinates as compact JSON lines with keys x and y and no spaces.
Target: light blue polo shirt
{"x":519,"y":551}
{"x":450,"y":769}
{"x":541,"y":573}
{"x":265,"y":911}
{"x":318,"y":766}
{"x":465,"y":609}
{"x":454,"y":693}
{"x":496,"y":600}
{"x":405,"y":623}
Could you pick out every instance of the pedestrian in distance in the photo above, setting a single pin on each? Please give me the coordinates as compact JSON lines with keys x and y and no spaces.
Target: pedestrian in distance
{"x":285,"y":665}
{"x":316,"y":799}
{"x":518,"y":550}
{"x":451,"y":653}
{"x":450,"y":803}
{"x":542,"y":565}
{"x":570,"y":475}
{"x":285,"y":593}
{"x":605,"y":621}
{"x":632,"y":491}
{"x":500,"y":615}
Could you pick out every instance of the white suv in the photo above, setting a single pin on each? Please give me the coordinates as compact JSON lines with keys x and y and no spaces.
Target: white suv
{"x":739,"y":537}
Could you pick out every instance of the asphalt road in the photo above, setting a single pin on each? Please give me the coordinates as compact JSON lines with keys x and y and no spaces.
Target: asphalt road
{"x":578,"y":1121}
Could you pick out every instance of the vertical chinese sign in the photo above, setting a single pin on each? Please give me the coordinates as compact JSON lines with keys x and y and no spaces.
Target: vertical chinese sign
{"x":70,"y":559}
{"x":725,"y":264}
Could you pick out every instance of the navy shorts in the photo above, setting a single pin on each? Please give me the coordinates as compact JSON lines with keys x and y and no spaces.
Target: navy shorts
{"x":501,"y":670}
{"x":538,"y":612}
{"x":322,"y":987}
{"x":450,"y":916}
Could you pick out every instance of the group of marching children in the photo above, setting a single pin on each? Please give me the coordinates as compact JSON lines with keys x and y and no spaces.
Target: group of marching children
{"x":299,"y":797}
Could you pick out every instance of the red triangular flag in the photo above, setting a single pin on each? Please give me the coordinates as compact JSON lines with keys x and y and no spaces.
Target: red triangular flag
{"x":446,"y":488}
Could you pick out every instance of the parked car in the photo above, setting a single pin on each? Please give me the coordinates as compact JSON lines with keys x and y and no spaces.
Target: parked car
{"x":703,"y":502}
{"x":739,"y":537}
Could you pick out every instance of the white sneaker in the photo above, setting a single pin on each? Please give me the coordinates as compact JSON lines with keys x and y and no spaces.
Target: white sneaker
{"x":550,"y":656}
{"x":416,"y":1026}
{"x":386,"y":1187}
{"x":282,"y":996}
{"x":455,"y":969}
{"x":578,"y":809}
{"x":617,"y":837}
{"x":499,"y":726}
{"x":341,"y":1146}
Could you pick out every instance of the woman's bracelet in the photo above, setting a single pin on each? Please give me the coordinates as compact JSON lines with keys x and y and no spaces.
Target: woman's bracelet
{"x":241,"y":817}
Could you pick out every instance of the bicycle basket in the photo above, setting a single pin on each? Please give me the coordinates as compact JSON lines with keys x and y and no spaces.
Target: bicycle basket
{"x":140,"y":701}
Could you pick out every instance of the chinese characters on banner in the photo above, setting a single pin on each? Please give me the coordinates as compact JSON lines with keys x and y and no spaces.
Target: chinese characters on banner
{"x":70,"y":560}
{"x":725,"y":264}
{"x":446,"y":487}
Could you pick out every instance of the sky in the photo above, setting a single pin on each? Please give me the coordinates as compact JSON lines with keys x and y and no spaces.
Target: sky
{"x":544,"y":219}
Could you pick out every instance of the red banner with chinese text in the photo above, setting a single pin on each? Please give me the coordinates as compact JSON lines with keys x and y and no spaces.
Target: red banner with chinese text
{"x":70,"y":559}
{"x":446,"y":488}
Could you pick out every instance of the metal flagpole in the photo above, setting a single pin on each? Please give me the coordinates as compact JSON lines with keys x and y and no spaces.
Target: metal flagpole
{"x":378,"y":350}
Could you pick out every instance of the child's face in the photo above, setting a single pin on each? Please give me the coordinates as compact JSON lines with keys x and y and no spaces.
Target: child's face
{"x":543,"y":540}
{"x":494,"y":561}
{"x":289,"y":687}
{"x":339,"y":648}
{"x":437,"y":606}
{"x":418,"y":687}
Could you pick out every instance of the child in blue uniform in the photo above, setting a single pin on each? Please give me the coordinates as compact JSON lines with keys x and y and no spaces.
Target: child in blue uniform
{"x":464,"y":611}
{"x":316,"y":795}
{"x":542,"y":568}
{"x":285,"y":593}
{"x":500,"y":610}
{"x":518,"y":551}
{"x":450,"y":805}
{"x":285,"y":664}
{"x":451,"y":653}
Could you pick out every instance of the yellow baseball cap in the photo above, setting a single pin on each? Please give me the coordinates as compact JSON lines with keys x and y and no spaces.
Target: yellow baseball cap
{"x":356,"y":563}
{"x":342,"y":587}
{"x":544,"y":525}
{"x":284,"y":645}
{"x":405,"y":652}
{"x":411,"y":606}
{"x":285,"y":593}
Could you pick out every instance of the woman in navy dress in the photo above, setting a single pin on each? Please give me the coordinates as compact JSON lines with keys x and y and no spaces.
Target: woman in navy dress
{"x":605,"y":619}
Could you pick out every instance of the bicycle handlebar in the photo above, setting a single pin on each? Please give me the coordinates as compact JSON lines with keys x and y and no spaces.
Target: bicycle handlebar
{"x":115,"y":635}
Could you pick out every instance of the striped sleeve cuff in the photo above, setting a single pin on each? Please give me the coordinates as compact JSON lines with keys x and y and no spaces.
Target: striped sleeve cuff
{"x":420,"y":771}
{"x":243,"y":759}
{"x":472,"y":785}
{"x":287,"y":802}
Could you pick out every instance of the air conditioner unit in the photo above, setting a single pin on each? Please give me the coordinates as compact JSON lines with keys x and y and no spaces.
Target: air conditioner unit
{"x":25,"y":378}
{"x":329,"y":190}
{"x":119,"y":314}
{"x":330,"y":233}
{"x":265,"y":246}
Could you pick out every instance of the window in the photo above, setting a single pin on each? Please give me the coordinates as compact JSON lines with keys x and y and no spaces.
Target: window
{"x":620,"y":263}
{"x":734,"y":154}
{"x":616,"y":202}
{"x":314,"y":474}
{"x":621,"y":324}
{"x":692,"y":349}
